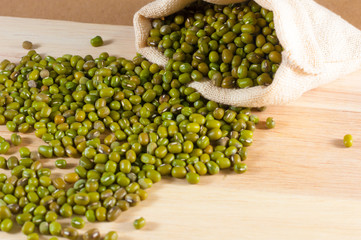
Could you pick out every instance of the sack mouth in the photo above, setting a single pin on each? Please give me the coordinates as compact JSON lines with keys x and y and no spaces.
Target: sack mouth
{"x":309,"y":63}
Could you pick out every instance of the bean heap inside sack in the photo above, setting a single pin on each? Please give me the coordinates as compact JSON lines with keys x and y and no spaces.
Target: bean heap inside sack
{"x":235,"y":46}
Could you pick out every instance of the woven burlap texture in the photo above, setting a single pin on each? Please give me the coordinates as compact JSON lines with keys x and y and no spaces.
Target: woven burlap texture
{"x":319,"y":47}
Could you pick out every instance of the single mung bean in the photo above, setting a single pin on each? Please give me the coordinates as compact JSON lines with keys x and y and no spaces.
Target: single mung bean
{"x":112,"y":235}
{"x":61,"y":163}
{"x":70,"y":233}
{"x":97,"y":41}
{"x":347,"y":140}
{"x":240,"y":167}
{"x":28,"y":228}
{"x":77,"y":222}
{"x":270,"y":123}
{"x":192,"y":178}
{"x":6,"y":225}
{"x":15,"y":139}
{"x":27,"y":45}
{"x":139,"y":223}
{"x":33,"y":236}
{"x":92,"y":234}
{"x":55,"y":228}
{"x":4,"y":147}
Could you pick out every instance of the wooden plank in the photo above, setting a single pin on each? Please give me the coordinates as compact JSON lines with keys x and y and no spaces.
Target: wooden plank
{"x":301,"y":184}
{"x":60,"y":37}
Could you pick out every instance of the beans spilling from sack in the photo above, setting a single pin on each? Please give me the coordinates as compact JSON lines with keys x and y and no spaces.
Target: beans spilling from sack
{"x":129,"y":123}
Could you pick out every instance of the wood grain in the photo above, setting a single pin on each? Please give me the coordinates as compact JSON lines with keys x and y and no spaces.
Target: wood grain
{"x":301,"y":184}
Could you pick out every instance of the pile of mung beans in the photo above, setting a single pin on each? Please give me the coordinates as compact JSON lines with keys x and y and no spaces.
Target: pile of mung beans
{"x":129,"y":122}
{"x":235,"y":46}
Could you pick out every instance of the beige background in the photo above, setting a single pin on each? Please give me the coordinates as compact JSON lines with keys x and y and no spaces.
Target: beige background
{"x":121,"y":11}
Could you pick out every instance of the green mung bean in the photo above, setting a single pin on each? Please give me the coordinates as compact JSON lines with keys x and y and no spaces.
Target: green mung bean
{"x":139,"y":223}
{"x":4,"y":147}
{"x":112,"y":235}
{"x":61,"y":163}
{"x":15,"y":139}
{"x":347,"y":140}
{"x":27,"y":45}
{"x":97,"y":41}
{"x":270,"y":123}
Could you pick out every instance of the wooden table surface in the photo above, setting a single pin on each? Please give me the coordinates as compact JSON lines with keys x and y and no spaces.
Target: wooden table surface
{"x":302,"y":182}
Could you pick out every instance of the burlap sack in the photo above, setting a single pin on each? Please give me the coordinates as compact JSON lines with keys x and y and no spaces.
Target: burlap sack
{"x":319,"y":47}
